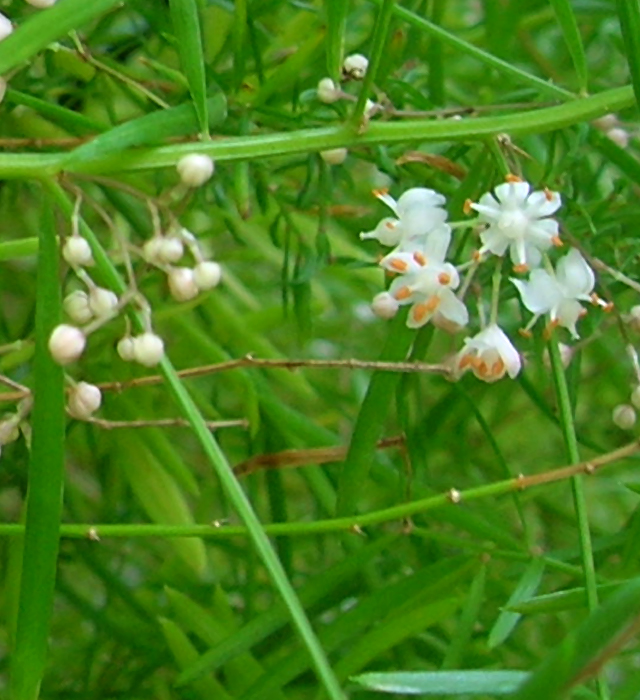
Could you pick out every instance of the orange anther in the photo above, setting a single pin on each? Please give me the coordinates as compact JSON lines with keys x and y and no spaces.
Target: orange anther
{"x":381,"y":192}
{"x":402,"y":293}
{"x":419,"y":258}
{"x":466,"y":207}
{"x":525,"y":333}
{"x":608,"y":308}
{"x":419,"y":312}
{"x":390,"y":225}
{"x":548,"y":194}
{"x":444,"y":278}
{"x":498,"y":368}
{"x":476,"y":256}
{"x":513,"y":178}
{"x":398,"y":265}
{"x":557,"y":242}
{"x":432,"y":303}
{"x":521,"y":269}
{"x":465,"y":361}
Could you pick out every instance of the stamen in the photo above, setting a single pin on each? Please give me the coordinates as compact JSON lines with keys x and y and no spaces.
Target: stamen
{"x":525,"y":333}
{"x":476,"y":256}
{"x":513,"y":178}
{"x":498,"y":368}
{"x":444,"y":278}
{"x":419,"y":258}
{"x":466,"y":361}
{"x":548,"y":194}
{"x":398,"y":265}
{"x":432,"y":303}
{"x":402,"y":293}
{"x":419,"y":312}
{"x":557,"y":242}
{"x":390,"y":225}
{"x":583,"y":313}
{"x":382,"y":192}
{"x":608,"y":307}
{"x":521,"y":269}
{"x":466,"y":207}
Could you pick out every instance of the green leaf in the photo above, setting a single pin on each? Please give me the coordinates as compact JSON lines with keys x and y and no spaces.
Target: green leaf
{"x":186,"y":26}
{"x":629,"y":17}
{"x":443,"y":682}
{"x":569,"y":26}
{"x":44,"y":498}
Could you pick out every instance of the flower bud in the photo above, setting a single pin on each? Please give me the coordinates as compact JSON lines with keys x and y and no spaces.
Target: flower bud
{"x":334,"y":156}
{"x":355,"y":66}
{"x":384,"y":305}
{"x":182,"y":284}
{"x":624,"y":416}
{"x":5,"y":26}
{"x":148,"y":349}
{"x":84,"y":400}
{"x":9,"y":430}
{"x":606,"y":122}
{"x":102,"y":302}
{"x":76,"y":306}
{"x":77,"y":251}
{"x":151,"y":250}
{"x":126,"y":348}
{"x":171,"y":250}
{"x":619,"y":136}
{"x":41,"y":3}
{"x":195,"y":169}
{"x":328,"y":91}
{"x":207,"y":274}
{"x":66,"y":343}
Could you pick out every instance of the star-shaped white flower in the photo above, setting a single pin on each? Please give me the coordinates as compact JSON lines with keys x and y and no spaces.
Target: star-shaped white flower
{"x":559,"y":294}
{"x":517,"y":219}
{"x":429,"y":289}
{"x":489,"y":355}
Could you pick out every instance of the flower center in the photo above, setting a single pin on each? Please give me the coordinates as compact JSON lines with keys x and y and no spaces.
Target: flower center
{"x":513,"y":224}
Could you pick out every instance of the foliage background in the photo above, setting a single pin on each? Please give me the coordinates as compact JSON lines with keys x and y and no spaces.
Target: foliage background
{"x":424,"y":587}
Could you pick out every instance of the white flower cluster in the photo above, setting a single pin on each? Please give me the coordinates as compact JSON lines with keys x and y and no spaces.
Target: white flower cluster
{"x":513,"y":220}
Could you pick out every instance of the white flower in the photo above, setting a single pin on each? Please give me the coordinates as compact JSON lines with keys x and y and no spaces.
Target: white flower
{"x":77,"y":251}
{"x":384,"y":305}
{"x":5,"y":26}
{"x":66,"y":343}
{"x":182,"y":284}
{"x":102,"y":302}
{"x":429,"y":289}
{"x":76,"y":306}
{"x":489,"y":355}
{"x":148,"y":349}
{"x":558,"y":295}
{"x":84,"y":400}
{"x":207,"y":274}
{"x":126,"y":348}
{"x":355,"y":66}
{"x":517,"y":220}
{"x":195,"y":169}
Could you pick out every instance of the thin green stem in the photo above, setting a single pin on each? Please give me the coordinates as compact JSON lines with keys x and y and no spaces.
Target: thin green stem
{"x":577,"y":486}
{"x":496,"y":280}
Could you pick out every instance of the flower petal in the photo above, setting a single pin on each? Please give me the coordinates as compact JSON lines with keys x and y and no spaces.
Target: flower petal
{"x":568,"y":313}
{"x":388,"y":232}
{"x":494,"y":241}
{"x":452,"y":309}
{"x":541,"y":293}
{"x":540,"y":204}
{"x":512,"y":194}
{"x":575,"y":276}
{"x":421,"y":197}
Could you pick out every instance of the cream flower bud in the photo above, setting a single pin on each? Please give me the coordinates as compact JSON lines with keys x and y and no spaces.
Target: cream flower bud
{"x":182,"y":284}
{"x":126,"y":348}
{"x":151,"y":250}
{"x":77,"y":251}
{"x":148,"y":349}
{"x":76,"y":306}
{"x":66,"y":343}
{"x":619,"y":136}
{"x":207,"y":274}
{"x":195,"y":169}
{"x":84,"y":400}
{"x":171,"y":250}
{"x":102,"y":302}
{"x":41,"y":3}
{"x":334,"y":156}
{"x":5,"y":26}
{"x":355,"y":66}
{"x":328,"y":91}
{"x":3,"y":88}
{"x":624,"y":416}
{"x":384,"y":305}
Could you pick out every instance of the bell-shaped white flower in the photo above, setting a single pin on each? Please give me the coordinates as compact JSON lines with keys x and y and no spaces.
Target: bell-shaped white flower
{"x":489,"y":355}
{"x":355,"y":66}
{"x":517,"y":219}
{"x":559,"y":294}
{"x":429,"y":289}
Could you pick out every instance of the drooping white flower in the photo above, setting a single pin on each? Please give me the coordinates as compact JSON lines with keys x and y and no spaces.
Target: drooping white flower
{"x":195,"y":169}
{"x":385,"y":305}
{"x":77,"y":251}
{"x":207,"y":274}
{"x":66,"y":343}
{"x":518,"y":220}
{"x":328,"y":91}
{"x":355,"y":66}
{"x":489,"y":355}
{"x":559,"y":294}
{"x":148,"y":349}
{"x":429,"y":289}
{"x":84,"y":400}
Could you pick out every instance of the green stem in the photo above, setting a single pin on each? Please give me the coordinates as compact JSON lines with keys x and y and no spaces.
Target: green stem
{"x":577,"y":486}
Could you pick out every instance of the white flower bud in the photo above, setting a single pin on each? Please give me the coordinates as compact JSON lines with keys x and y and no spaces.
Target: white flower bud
{"x":370,"y":109}
{"x":624,"y":416}
{"x":635,"y":396}
{"x":384,"y":305}
{"x":102,"y":302}
{"x":207,"y":274}
{"x":182,"y":284}
{"x":41,"y":3}
{"x":151,"y":250}
{"x":148,"y":349}
{"x":334,"y":156}
{"x":355,"y":66}
{"x":66,"y":343}
{"x":606,"y":122}
{"x":9,"y":430}
{"x":76,"y":306}
{"x":126,"y":348}
{"x":619,"y":136}
{"x":328,"y":91}
{"x":195,"y":169}
{"x":77,"y":251}
{"x":84,"y":400}
{"x":171,"y":250}
{"x":5,"y":26}
{"x":3,"y":88}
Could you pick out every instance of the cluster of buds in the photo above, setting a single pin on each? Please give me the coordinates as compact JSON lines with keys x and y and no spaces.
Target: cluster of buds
{"x":354,"y":67}
{"x":610,"y":126}
{"x":512,"y":220}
